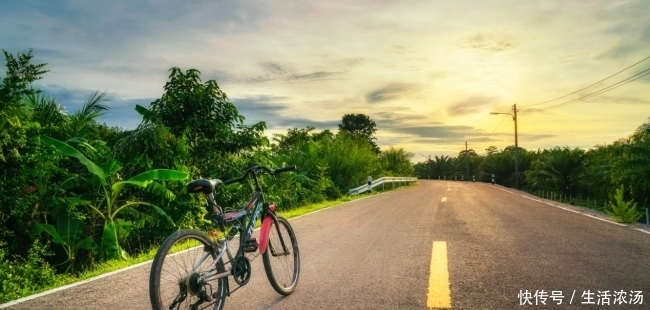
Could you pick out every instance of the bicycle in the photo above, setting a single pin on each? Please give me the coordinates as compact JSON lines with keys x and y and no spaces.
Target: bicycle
{"x":190,"y":285}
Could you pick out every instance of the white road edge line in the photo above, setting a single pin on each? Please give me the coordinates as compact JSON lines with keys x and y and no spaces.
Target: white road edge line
{"x":643,"y":230}
{"x":101,"y":276}
{"x":557,"y":206}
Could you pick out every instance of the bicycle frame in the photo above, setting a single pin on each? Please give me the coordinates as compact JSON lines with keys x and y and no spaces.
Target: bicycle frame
{"x":254,"y":206}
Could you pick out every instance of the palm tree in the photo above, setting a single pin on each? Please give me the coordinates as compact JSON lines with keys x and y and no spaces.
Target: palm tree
{"x":631,"y":165}
{"x":442,"y":166}
{"x":397,"y":161}
{"x":80,"y":124}
{"x":559,"y":168}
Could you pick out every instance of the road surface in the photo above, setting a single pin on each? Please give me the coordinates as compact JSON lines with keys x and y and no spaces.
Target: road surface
{"x":439,"y":244}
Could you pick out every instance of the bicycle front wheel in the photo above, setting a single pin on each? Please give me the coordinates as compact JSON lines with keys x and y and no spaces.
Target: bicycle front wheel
{"x":281,"y":258}
{"x":181,"y":273}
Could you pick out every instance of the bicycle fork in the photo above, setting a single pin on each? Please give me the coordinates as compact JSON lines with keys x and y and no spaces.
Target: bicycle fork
{"x":269,"y":219}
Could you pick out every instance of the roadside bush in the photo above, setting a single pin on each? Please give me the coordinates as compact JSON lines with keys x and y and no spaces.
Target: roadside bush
{"x":623,"y":211}
{"x":24,"y":276}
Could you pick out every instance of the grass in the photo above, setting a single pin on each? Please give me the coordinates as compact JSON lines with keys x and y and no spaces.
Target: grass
{"x":113,"y":265}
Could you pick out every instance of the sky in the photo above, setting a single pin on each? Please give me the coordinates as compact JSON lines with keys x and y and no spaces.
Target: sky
{"x":427,"y":72}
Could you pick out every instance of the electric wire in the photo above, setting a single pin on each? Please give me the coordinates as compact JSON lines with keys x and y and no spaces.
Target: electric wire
{"x":529,"y":105}
{"x":498,"y":126}
{"x":596,"y":93}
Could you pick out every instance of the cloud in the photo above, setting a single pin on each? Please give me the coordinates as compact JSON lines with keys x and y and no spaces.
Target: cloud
{"x":471,"y":105}
{"x":619,"y":99}
{"x":635,"y":41}
{"x":303,"y":122}
{"x":270,"y":71}
{"x":438,"y":131}
{"x":490,"y":42}
{"x":388,"y":92}
{"x":386,"y":121}
{"x":122,"y":112}
{"x":451,"y":140}
{"x":537,"y":137}
{"x":270,"y":109}
{"x":260,"y":108}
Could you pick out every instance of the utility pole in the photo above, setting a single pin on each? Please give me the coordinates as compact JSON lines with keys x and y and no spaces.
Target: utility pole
{"x":466,"y":161}
{"x":514,"y":118}
{"x":429,"y":162}
{"x":514,"y":109}
{"x":429,"y":166}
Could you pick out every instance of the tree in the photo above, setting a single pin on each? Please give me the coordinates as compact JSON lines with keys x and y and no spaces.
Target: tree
{"x":397,"y":161}
{"x":202,"y":113}
{"x":351,"y":160}
{"x":22,"y":165}
{"x":631,"y":163}
{"x":360,"y":125}
{"x":442,"y":166}
{"x":561,"y":169}
{"x":491,"y":149}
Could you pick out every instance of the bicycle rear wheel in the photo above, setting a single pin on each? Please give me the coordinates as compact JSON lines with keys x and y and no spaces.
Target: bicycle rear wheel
{"x":281,"y":258}
{"x":175,"y":281}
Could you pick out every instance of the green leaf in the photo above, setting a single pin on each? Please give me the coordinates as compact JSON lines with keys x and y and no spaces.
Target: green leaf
{"x":110,"y":245}
{"x":86,"y":244}
{"x":77,"y":201}
{"x":69,"y":227}
{"x":112,"y":167}
{"x":51,"y":231}
{"x":70,"y":182}
{"x":67,"y":150}
{"x":143,"y":179}
{"x":160,"y":190}
{"x":135,"y":203}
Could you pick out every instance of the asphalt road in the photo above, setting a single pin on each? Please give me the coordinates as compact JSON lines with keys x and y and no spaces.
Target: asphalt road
{"x":376,"y":253}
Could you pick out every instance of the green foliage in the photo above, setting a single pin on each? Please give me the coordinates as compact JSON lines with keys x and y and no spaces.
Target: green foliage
{"x":631,"y":163}
{"x":16,"y":84}
{"x":19,"y":277}
{"x":397,"y":162}
{"x":621,"y":210}
{"x":351,"y":160}
{"x":560,"y":169}
{"x":360,"y":125}
{"x":24,"y":168}
{"x":68,"y":234}
{"x":108,"y":203}
{"x":201,"y":112}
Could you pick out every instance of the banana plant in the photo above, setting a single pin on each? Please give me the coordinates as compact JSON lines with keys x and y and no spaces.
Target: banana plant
{"x":108,"y":204}
{"x":68,"y":234}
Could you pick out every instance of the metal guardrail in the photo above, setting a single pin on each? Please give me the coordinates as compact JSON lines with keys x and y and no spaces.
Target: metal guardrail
{"x":380,"y":181}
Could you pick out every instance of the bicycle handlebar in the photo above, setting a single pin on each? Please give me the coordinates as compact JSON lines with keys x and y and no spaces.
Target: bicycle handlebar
{"x":257,"y":168}
{"x":283,"y":169}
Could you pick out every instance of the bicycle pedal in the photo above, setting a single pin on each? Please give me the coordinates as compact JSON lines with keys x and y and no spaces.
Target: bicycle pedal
{"x":251,"y":245}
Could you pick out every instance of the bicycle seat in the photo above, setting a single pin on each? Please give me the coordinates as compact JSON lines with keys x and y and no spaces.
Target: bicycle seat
{"x":202,"y":186}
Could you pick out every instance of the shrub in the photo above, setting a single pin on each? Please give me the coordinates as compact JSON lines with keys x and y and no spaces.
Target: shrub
{"x":623,"y":211}
{"x":22,"y":277}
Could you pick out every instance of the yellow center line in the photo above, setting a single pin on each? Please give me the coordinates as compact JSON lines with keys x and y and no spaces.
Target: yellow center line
{"x":443,"y":199}
{"x":439,"y":295}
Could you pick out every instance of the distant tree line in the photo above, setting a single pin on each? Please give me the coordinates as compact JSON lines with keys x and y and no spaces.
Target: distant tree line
{"x":571,"y":173}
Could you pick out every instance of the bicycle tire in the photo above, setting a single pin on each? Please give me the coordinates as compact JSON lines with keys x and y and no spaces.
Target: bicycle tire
{"x":274,"y":264}
{"x":193,"y":243}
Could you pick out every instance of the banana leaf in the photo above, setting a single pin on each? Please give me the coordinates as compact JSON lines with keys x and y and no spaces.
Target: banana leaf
{"x":145,"y":178}
{"x":67,"y":150}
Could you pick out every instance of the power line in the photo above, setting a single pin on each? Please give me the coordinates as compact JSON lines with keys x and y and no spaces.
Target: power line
{"x":498,"y":126}
{"x":528,"y":105}
{"x":596,"y":93}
